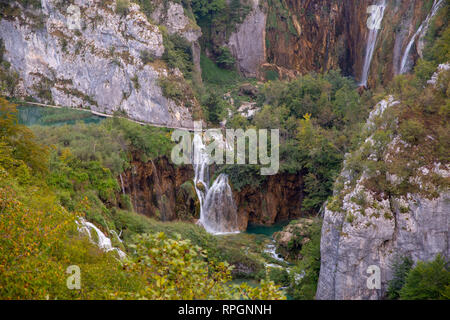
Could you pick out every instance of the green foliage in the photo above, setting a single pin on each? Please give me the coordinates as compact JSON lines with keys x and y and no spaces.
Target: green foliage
{"x":8,"y":77}
{"x":147,"y":57}
{"x":171,"y":88}
{"x":212,"y":74}
{"x":19,"y":142}
{"x":279,"y":276}
{"x":111,"y":142}
{"x":177,"y":52}
{"x":427,"y":281}
{"x":87,"y":159}
{"x":214,"y":107}
{"x":122,"y":7}
{"x":40,"y":237}
{"x":309,"y":266}
{"x":318,"y":116}
{"x":401,"y":267}
{"x":412,"y":131}
{"x":242,"y":176}
{"x":168,"y":268}
{"x":147,"y":6}
{"x":207,"y":9}
{"x":225,"y":59}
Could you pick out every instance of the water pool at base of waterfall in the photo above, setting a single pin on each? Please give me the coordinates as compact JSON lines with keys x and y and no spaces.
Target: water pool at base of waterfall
{"x":266,"y":230}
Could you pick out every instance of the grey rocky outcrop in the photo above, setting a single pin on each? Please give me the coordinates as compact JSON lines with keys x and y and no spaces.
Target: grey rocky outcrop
{"x":372,"y":229}
{"x":247,"y":43}
{"x":97,"y":66}
{"x":172,"y":16}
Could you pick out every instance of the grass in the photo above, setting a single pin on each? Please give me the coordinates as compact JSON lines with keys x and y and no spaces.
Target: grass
{"x":212,"y":74}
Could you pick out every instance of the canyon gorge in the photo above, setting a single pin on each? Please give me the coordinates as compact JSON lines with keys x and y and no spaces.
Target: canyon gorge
{"x":358,"y":89}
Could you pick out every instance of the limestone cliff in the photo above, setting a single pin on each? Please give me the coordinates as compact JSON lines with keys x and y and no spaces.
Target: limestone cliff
{"x":247,"y":43}
{"x":88,"y":55}
{"x":391,"y":199}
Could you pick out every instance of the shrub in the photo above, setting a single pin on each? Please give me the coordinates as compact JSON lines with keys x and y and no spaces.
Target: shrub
{"x":177,"y":53}
{"x":122,"y":7}
{"x":171,"y":88}
{"x":279,"y":276}
{"x":147,"y":57}
{"x":225,"y":59}
{"x":309,"y":267}
{"x":412,"y":131}
{"x":428,"y":280}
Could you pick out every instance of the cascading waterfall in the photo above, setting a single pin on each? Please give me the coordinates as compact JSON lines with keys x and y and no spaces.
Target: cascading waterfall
{"x":218,"y":212}
{"x":101,"y":239}
{"x":219,"y":209}
{"x":372,"y":41}
{"x":405,"y":67}
{"x":121,"y":184}
{"x":133,"y":195}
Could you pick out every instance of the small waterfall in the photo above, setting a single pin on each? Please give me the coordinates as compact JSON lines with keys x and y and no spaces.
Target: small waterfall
{"x":133,"y":195}
{"x":102,"y":240}
{"x":121,"y":184}
{"x":271,"y":250}
{"x":218,"y":212}
{"x":405,"y":67}
{"x":159,"y":194}
{"x":372,"y":41}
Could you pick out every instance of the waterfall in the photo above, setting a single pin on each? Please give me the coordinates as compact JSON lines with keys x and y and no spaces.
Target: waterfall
{"x":102,"y":240}
{"x":133,"y":196}
{"x":121,"y":184}
{"x":163,"y":210}
{"x":404,"y":67}
{"x":219,"y":209}
{"x":372,"y":40}
{"x":218,"y":212}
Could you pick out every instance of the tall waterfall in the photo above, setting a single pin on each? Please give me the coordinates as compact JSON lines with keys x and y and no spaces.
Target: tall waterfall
{"x":372,"y":40}
{"x":218,"y":212}
{"x":404,"y":67}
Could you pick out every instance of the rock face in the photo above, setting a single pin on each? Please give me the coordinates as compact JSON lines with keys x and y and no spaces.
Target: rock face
{"x":172,"y":16}
{"x":165,"y":191}
{"x":278,"y":199}
{"x":247,"y":44}
{"x":363,"y":228}
{"x":313,"y":35}
{"x":97,"y":66}
{"x":298,"y":36}
{"x":159,"y":189}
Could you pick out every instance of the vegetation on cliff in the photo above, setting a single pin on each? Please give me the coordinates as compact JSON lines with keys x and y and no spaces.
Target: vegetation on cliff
{"x":319,"y":117}
{"x":40,"y":236}
{"x":426,"y":281}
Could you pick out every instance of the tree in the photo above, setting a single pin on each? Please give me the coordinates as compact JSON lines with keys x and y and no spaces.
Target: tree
{"x":308,"y":267}
{"x":225,"y":59}
{"x":401,"y":268}
{"x":122,"y":7}
{"x":20,"y":140}
{"x":177,"y":269}
{"x":215,"y":106}
{"x":428,"y":281}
